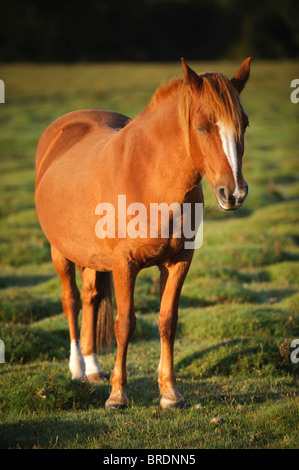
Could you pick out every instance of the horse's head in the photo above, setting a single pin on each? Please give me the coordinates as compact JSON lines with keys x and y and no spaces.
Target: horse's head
{"x":217,"y":125}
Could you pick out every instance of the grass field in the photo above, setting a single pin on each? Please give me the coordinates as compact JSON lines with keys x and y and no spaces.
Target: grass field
{"x":239,"y":306}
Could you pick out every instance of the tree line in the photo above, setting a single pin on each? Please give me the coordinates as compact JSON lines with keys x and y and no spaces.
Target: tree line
{"x":147,"y":30}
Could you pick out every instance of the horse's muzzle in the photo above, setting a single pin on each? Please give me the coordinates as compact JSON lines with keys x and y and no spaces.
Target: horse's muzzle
{"x":230,"y":201}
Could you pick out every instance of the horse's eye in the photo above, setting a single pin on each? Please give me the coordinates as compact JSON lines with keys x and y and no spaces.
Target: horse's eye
{"x":202,"y":131}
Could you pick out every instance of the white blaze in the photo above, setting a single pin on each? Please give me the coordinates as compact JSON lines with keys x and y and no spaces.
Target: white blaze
{"x":230,"y":150}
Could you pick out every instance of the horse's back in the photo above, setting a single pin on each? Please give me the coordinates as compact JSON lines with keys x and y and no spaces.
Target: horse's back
{"x":70,"y":129}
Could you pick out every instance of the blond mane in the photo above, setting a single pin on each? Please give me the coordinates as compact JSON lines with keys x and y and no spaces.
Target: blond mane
{"x":218,"y":100}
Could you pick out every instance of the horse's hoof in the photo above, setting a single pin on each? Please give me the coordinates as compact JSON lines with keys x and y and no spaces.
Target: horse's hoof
{"x":117,"y":401}
{"x":110,"y":405}
{"x":98,"y":378}
{"x":167,"y":404}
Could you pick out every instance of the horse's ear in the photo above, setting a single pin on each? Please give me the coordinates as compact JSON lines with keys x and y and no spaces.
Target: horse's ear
{"x":241,"y":77}
{"x":191,"y":77}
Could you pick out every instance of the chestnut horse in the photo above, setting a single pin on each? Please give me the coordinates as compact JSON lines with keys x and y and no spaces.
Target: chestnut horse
{"x":193,"y":126}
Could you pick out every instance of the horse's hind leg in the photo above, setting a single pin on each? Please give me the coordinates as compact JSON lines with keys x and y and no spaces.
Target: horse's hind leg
{"x":71,"y":307}
{"x":92,"y":287}
{"x":172,"y":279}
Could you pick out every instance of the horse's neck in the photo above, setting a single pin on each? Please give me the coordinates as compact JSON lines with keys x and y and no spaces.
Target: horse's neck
{"x":163,"y":149}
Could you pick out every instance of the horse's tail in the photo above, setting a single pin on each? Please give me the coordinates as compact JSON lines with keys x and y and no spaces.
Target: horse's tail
{"x":105,"y":322}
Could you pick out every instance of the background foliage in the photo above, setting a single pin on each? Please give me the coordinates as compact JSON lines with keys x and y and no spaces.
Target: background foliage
{"x":139,"y":30}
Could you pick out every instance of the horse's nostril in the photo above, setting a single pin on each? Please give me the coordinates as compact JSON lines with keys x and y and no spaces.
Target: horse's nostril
{"x":225,"y":196}
{"x":243,"y":193}
{"x":222,"y":193}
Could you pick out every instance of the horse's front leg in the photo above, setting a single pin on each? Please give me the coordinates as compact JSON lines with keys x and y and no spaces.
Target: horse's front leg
{"x":124,"y":275}
{"x":172,"y":279}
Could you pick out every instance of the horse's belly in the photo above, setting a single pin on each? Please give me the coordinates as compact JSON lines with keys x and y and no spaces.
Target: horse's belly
{"x":66,"y":212}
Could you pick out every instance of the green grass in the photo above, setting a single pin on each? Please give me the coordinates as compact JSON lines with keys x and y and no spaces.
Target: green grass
{"x":239,"y":305}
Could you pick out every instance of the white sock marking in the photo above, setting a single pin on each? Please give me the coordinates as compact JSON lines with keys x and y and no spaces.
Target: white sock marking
{"x":92,"y":365}
{"x":77,"y":365}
